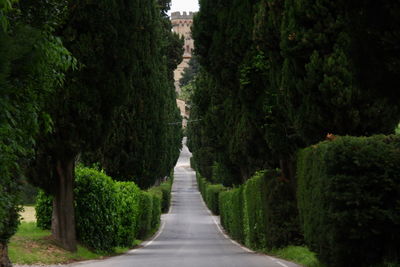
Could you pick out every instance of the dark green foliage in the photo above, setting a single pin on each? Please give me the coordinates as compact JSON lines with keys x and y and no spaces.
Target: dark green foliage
{"x":32,"y":62}
{"x":190,"y":72}
{"x":330,"y":50}
{"x":226,"y":100}
{"x":166,"y":188}
{"x":212,"y":192}
{"x":145,"y":139}
{"x":29,"y":193}
{"x":145,"y":215}
{"x":108,"y":213}
{"x":128,"y":213}
{"x":44,"y":210}
{"x":231,"y":210}
{"x":270,"y":213}
{"x":97,"y":205}
{"x":155,"y":212}
{"x":254,"y":217}
{"x":348,"y":197}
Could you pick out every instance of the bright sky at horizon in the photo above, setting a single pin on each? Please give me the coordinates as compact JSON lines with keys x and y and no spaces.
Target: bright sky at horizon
{"x":184,"y":5}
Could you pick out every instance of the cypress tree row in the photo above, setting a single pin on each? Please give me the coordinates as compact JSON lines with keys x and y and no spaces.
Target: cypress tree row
{"x":286,"y":73}
{"x":146,"y":136}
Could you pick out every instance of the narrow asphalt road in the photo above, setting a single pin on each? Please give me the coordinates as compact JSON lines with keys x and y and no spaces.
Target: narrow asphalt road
{"x":189,"y":236}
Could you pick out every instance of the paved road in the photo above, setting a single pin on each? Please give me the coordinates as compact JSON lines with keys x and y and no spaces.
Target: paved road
{"x":189,"y":236}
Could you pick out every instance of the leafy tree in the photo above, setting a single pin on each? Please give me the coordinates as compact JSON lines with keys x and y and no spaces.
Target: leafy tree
{"x":145,"y":141}
{"x":101,"y":35}
{"x":32,"y":65}
{"x":190,"y":72}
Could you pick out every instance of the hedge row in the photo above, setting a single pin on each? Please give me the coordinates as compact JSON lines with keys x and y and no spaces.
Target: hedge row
{"x":261,"y":213}
{"x":349,"y":200}
{"x":109,"y":213}
{"x":210,"y":193}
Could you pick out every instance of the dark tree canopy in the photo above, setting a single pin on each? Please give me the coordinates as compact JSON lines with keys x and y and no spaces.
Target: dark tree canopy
{"x":283,"y":74}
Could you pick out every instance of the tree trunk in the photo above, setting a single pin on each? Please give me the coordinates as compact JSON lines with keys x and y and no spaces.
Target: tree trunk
{"x":4,"y":260}
{"x":63,"y":219}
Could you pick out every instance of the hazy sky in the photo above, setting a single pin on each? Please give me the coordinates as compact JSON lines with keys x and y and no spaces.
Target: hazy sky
{"x":184,"y":5}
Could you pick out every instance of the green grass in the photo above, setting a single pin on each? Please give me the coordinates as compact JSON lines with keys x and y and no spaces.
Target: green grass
{"x":31,"y":245}
{"x":297,"y":254}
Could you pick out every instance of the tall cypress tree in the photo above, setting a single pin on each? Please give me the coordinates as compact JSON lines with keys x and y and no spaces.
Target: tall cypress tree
{"x":145,"y":141}
{"x":330,"y":50}
{"x":100,"y":35}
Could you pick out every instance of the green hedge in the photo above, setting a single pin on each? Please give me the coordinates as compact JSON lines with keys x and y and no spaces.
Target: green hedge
{"x":270,"y":216}
{"x":262,"y":213}
{"x":44,"y":210}
{"x":231,"y":211}
{"x":128,"y":213}
{"x":349,"y":200}
{"x":96,"y":210}
{"x":109,"y":213}
{"x":210,"y":193}
{"x":145,"y":215}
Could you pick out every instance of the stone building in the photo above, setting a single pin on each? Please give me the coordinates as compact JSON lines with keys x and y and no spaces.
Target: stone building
{"x":181,"y":24}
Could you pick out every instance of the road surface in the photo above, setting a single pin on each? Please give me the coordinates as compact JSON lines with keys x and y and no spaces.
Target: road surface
{"x":189,"y":235}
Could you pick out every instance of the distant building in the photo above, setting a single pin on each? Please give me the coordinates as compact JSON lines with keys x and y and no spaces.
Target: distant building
{"x":181,"y":24}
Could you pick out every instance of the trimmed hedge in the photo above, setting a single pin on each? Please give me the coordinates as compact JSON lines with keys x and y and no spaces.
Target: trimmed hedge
{"x":145,"y":215}
{"x":44,"y":210}
{"x":349,"y":200}
{"x":231,"y":211}
{"x":108,"y":213}
{"x":128,"y":213}
{"x":96,"y":209}
{"x":261,"y":213}
{"x":210,"y":193}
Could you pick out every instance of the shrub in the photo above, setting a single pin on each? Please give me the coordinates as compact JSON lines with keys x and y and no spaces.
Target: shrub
{"x":44,"y":210}
{"x":212,"y":192}
{"x":166,"y":188}
{"x":254,"y":221}
{"x":348,"y":197}
{"x":270,"y":213}
{"x":156,"y":212}
{"x":231,"y":211}
{"x":96,"y":210}
{"x":128,"y":213}
{"x":145,"y":215}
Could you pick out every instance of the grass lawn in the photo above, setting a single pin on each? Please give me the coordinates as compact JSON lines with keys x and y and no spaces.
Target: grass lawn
{"x":297,"y":254}
{"x":31,"y":245}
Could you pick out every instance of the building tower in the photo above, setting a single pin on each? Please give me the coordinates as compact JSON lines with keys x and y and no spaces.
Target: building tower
{"x":181,"y":24}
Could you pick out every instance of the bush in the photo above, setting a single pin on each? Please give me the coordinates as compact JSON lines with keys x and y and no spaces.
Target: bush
{"x":44,"y":210}
{"x":108,"y":213}
{"x":231,"y":211}
{"x":128,"y":213}
{"x":166,"y":188}
{"x":270,"y":214}
{"x":156,"y":212}
{"x":145,"y":215}
{"x":348,"y":197}
{"x":212,"y":192}
{"x":97,"y":209}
